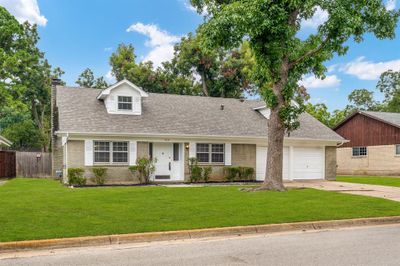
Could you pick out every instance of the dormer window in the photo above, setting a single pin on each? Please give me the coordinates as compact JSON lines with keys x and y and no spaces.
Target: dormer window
{"x":123,"y":98}
{"x":125,"y":103}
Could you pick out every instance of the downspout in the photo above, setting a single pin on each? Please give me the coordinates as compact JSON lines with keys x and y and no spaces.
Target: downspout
{"x":341,"y":143}
{"x":66,"y":159}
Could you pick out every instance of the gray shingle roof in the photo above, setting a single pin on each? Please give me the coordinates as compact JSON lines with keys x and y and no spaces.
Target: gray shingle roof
{"x":391,"y":118}
{"x":80,"y":111}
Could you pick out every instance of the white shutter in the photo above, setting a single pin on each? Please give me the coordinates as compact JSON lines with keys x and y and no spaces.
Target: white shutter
{"x":228,"y":154}
{"x":132,"y":152}
{"x":192,"y":149}
{"x":88,"y":152}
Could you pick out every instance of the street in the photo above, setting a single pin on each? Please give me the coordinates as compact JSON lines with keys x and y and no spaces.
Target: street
{"x":375,"y":245}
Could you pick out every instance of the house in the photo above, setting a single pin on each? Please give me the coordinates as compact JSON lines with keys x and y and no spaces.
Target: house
{"x":4,"y":143}
{"x":374,"y":144}
{"x":113,"y":127}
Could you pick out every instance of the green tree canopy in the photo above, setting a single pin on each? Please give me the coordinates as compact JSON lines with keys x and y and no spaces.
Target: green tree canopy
{"x":389,"y":85}
{"x":86,"y":79}
{"x":282,"y":57}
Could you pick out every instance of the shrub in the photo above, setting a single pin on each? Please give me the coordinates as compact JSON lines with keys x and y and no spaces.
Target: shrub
{"x":99,"y":175}
{"x":247,"y":173}
{"x":206,"y":173}
{"x":144,"y":169}
{"x":232,"y":173}
{"x":196,"y":174}
{"x":75,"y":177}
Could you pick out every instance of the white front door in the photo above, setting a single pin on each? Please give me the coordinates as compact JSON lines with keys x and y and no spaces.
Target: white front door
{"x":163,"y":153}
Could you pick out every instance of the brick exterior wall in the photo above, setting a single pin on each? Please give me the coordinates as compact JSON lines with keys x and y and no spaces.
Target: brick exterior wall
{"x":57,"y":155}
{"x":330,"y":163}
{"x":115,"y":174}
{"x":381,"y":160}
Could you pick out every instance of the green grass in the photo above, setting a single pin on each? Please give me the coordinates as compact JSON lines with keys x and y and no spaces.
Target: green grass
{"x":372,"y":180}
{"x":39,"y":209}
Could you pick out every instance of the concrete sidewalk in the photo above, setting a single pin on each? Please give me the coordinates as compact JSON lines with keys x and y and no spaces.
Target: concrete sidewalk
{"x":385,"y":192}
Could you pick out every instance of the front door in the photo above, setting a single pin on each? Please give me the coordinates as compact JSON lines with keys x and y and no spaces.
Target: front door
{"x":162,"y":152}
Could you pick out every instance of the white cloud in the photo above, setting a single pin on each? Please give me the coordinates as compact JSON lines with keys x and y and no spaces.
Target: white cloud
{"x":161,"y":42}
{"x":320,"y":16}
{"x":368,"y":70}
{"x":391,"y":5}
{"x":25,"y":10}
{"x":108,"y":49}
{"x":191,"y":8}
{"x":110,"y":77}
{"x":311,"y":82}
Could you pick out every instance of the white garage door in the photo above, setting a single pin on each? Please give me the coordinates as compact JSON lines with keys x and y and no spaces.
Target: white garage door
{"x":308,"y":163}
{"x":261,"y":162}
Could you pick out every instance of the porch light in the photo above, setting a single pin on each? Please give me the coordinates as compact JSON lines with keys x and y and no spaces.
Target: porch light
{"x":187,"y":146}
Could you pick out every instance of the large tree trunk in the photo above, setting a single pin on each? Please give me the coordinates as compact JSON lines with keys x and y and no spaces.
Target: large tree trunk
{"x":204,"y":84}
{"x":276,"y":132}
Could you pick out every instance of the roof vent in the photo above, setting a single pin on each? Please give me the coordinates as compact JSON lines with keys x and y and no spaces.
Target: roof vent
{"x":222,"y":107}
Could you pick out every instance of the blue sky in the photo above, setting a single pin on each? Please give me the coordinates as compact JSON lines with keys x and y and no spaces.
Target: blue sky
{"x":76,"y":34}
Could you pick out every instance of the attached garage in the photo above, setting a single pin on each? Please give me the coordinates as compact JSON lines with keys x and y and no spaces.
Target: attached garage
{"x":298,"y":163}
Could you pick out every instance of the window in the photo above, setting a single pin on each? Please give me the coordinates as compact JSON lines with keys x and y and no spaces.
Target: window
{"x":111,"y":152}
{"x":120,"y":152}
{"x":210,"y":153}
{"x":397,"y":149}
{"x":176,"y":151}
{"x":359,"y":151}
{"x":101,"y":152}
{"x":124,"y":103}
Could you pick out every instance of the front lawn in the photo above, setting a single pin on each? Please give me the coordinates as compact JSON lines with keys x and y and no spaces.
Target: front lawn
{"x":38,"y":209}
{"x":371,"y":180}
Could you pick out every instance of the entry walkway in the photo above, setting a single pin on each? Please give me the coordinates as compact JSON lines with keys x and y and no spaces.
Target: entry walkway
{"x":385,"y":192}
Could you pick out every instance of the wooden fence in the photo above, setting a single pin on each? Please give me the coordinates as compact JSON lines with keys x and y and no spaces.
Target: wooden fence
{"x":7,"y":164}
{"x":33,"y":164}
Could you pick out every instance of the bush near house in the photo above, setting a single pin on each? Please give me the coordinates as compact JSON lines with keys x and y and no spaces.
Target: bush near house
{"x":198,"y":173}
{"x":75,"y":177}
{"x":99,"y":175}
{"x":143,"y":169}
{"x":238,"y":173}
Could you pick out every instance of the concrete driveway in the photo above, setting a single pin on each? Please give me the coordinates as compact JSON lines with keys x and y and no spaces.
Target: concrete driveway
{"x":385,"y":192}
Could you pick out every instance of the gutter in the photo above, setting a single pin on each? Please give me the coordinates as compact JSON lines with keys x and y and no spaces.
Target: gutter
{"x":185,"y":136}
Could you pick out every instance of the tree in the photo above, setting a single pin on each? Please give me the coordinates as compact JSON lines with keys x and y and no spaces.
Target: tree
{"x":222,"y":73}
{"x":320,"y":112}
{"x":282,"y":58}
{"x":165,"y":79}
{"x":86,"y":79}
{"x":25,"y":82}
{"x":389,"y":85}
{"x":362,"y":99}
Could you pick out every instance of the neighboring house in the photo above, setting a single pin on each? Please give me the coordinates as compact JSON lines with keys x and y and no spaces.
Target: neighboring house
{"x":374,"y":144}
{"x":4,"y":142}
{"x":113,"y":127}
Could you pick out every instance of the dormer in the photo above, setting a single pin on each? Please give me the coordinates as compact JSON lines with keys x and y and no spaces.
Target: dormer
{"x":123,"y":97}
{"x":264,"y":111}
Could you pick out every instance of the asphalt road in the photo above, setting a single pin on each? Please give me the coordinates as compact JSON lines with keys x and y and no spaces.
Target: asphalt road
{"x":378,"y":245}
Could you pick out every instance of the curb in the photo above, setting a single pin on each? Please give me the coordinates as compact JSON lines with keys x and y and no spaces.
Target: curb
{"x":189,"y":234}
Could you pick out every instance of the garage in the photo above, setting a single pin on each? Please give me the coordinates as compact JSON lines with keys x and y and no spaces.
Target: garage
{"x":308,"y":163}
